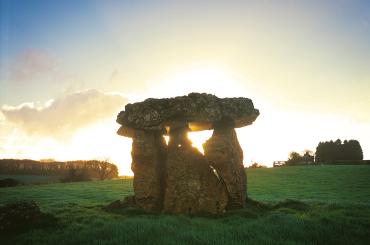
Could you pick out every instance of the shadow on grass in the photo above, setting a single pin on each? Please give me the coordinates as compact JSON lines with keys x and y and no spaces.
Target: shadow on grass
{"x":292,"y":204}
{"x":254,"y":209}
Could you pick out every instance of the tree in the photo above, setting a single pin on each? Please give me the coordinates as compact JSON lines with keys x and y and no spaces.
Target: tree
{"x":330,"y":151}
{"x":94,"y":169}
{"x":76,"y":175}
{"x":294,"y":157}
{"x":355,"y":150}
{"x":308,"y":156}
{"x":257,"y":165}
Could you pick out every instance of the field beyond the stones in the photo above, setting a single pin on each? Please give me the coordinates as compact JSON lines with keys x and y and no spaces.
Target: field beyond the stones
{"x":294,"y":205}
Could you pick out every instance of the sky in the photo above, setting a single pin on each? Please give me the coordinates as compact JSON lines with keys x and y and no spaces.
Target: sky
{"x":68,"y":67}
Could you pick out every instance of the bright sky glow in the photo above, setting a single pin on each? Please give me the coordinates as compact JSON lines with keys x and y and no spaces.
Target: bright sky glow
{"x":305,"y":65}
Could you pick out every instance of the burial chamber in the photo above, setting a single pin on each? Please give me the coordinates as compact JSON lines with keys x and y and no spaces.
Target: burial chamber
{"x":176,"y":177}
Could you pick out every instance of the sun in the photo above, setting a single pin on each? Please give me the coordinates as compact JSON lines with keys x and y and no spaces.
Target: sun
{"x":99,"y":141}
{"x":203,"y":78}
{"x":199,"y":138}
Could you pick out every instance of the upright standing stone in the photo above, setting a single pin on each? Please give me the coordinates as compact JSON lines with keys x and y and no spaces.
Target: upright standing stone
{"x":192,"y":186}
{"x":225,"y":154}
{"x":148,"y":164}
{"x":177,"y":178}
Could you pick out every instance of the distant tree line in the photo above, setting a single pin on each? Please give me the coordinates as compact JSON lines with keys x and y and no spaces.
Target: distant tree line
{"x":295,"y":158}
{"x":92,"y":169}
{"x":330,"y":151}
{"x":257,"y":165}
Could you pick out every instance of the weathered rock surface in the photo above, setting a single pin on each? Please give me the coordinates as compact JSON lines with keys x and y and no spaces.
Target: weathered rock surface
{"x":224,"y":153}
{"x":177,"y":178}
{"x":192,"y":186}
{"x":199,"y":110}
{"x":148,"y":164}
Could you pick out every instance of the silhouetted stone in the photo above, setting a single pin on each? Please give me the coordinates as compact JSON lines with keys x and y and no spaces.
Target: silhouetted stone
{"x":177,"y":178}
{"x":148,"y":159}
{"x":192,"y":186}
{"x":225,"y":154}
{"x":199,"y":110}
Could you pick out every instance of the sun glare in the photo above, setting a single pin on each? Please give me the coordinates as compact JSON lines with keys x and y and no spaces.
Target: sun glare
{"x":199,"y":138}
{"x":100,"y":142}
{"x":214,"y":79}
{"x":264,"y":141}
{"x":208,"y":77}
{"x":97,"y":141}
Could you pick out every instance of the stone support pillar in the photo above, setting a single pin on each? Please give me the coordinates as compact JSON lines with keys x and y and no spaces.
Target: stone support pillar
{"x":224,"y":153}
{"x":191,"y":185}
{"x":148,"y":164}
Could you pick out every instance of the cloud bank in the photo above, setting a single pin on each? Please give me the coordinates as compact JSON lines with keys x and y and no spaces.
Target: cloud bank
{"x":63,"y":116}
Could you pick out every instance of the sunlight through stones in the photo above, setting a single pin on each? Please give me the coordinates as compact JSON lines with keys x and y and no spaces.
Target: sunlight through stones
{"x":176,"y":177}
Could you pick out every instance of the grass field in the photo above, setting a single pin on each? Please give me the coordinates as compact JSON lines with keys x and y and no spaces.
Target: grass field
{"x":332,"y":207}
{"x":32,"y":179}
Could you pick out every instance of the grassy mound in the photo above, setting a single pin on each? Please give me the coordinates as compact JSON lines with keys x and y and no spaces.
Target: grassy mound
{"x":21,"y":216}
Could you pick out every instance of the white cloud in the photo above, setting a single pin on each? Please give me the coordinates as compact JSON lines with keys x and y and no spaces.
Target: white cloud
{"x":63,"y":116}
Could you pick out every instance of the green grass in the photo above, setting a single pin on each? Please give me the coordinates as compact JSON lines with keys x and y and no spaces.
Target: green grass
{"x":332,"y":207}
{"x":32,"y":179}
{"x":336,"y":183}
